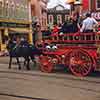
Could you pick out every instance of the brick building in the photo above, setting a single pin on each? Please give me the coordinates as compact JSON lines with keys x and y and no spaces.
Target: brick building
{"x":58,"y":14}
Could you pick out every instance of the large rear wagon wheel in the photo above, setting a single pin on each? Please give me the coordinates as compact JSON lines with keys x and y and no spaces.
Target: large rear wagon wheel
{"x":45,"y":64}
{"x":79,"y":62}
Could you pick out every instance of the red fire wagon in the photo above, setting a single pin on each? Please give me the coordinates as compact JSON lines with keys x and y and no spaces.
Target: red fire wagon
{"x":77,"y":51}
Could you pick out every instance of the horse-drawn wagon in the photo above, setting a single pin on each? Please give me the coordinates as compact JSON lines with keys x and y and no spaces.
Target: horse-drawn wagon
{"x":77,"y":51}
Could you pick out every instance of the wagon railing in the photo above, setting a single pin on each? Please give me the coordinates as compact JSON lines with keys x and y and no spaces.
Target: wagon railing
{"x":75,"y":38}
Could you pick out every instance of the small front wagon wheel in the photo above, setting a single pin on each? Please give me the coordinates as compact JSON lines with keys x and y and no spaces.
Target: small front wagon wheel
{"x":45,"y":64}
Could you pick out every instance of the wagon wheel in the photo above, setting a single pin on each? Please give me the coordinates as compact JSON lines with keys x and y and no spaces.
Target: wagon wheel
{"x":80,"y":63}
{"x":45,"y":64}
{"x":55,"y":59}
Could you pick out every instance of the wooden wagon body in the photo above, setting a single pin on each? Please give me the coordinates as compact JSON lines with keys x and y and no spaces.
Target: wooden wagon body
{"x":77,"y":51}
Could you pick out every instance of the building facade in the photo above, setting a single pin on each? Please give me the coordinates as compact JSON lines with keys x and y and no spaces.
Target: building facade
{"x":57,"y":15}
{"x":15,"y":19}
{"x":39,"y":15}
{"x":39,"y":12}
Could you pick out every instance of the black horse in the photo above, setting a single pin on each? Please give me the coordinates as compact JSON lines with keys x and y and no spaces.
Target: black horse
{"x":23,"y":49}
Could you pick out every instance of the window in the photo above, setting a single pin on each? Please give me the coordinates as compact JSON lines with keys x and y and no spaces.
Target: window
{"x":1,"y":10}
{"x":22,"y":11}
{"x":6,"y":8}
{"x":59,"y":19}
{"x":98,"y":4}
{"x":50,"y":19}
{"x":66,"y":17}
{"x":12,"y":10}
{"x":17,"y":11}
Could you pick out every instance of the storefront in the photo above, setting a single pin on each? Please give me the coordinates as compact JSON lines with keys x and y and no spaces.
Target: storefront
{"x":13,"y":30}
{"x":15,"y":20}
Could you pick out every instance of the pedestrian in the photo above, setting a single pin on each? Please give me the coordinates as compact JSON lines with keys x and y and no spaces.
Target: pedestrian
{"x":88,"y":24}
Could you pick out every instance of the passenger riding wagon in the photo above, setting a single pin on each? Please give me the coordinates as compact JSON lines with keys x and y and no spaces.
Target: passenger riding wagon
{"x":77,"y":51}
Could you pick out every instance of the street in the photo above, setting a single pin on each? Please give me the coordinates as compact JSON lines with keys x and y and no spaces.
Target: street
{"x":35,"y":85}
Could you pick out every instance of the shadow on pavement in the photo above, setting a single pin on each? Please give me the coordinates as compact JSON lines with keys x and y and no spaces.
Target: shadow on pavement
{"x":24,"y":97}
{"x":95,"y":74}
{"x":64,"y":70}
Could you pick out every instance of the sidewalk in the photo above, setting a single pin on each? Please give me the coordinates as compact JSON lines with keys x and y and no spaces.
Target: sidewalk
{"x":3,"y":53}
{"x":4,"y":59}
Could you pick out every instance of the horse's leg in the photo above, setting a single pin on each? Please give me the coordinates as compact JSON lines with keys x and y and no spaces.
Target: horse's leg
{"x":10,"y":61}
{"x":24,"y":62}
{"x":28,"y":61}
{"x":33,"y":60}
{"x":18,"y":62}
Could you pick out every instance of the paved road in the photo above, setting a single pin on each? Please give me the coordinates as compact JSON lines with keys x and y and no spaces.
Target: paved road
{"x":35,"y":85}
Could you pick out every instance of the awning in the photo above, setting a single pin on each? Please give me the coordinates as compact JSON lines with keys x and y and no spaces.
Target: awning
{"x":19,"y":30}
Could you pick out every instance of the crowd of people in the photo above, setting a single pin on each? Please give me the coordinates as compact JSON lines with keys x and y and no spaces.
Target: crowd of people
{"x":75,"y":24}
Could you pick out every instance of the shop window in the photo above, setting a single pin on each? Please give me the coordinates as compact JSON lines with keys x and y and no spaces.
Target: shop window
{"x":22,"y":12}
{"x":98,"y":4}
{"x":45,"y":21}
{"x":17,"y":11}
{"x":26,"y":12}
{"x":66,"y":17}
{"x":12,"y":10}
